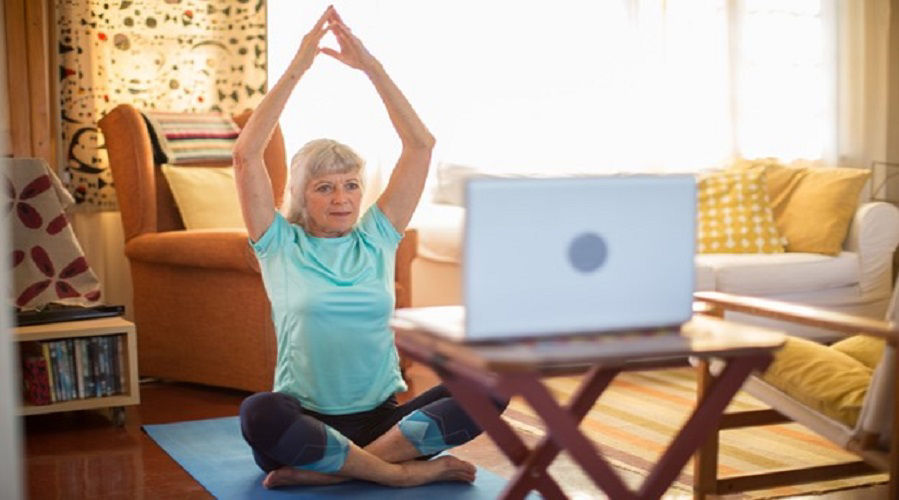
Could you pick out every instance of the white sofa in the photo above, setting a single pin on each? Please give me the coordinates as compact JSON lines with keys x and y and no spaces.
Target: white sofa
{"x":857,"y":281}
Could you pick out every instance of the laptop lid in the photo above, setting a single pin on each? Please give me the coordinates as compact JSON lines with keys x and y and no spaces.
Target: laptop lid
{"x":557,"y":256}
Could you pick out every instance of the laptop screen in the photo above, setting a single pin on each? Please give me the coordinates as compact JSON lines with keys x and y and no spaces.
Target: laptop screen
{"x":556,"y":256}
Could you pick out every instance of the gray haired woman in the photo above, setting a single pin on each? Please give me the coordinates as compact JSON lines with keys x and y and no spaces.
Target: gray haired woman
{"x":328,"y":273}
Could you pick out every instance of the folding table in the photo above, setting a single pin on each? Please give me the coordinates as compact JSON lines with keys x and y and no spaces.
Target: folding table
{"x":472,"y":371}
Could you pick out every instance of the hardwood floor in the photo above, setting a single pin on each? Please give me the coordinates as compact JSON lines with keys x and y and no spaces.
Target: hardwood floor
{"x":83,"y":455}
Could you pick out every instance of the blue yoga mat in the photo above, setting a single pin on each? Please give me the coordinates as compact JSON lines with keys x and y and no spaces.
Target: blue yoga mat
{"x":215,"y":454}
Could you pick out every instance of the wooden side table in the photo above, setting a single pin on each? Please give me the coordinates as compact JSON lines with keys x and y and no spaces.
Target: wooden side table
{"x":472,"y":372}
{"x":89,"y":328}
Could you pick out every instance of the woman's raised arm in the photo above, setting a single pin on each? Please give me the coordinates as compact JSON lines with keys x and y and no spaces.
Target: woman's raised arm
{"x":254,"y":188}
{"x":407,"y":181}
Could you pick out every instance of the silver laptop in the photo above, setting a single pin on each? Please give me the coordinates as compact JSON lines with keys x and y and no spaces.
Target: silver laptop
{"x":563,"y":256}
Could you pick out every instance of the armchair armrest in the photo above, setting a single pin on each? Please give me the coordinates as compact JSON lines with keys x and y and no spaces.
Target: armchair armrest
{"x":800,"y":314}
{"x":212,"y":249}
{"x":873,"y":235}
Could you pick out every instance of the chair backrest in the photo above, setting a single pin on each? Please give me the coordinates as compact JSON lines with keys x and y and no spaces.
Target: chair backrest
{"x":876,"y":416}
{"x":144,"y":197}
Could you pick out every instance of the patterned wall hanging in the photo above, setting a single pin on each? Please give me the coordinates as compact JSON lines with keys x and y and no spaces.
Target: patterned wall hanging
{"x":167,"y":55}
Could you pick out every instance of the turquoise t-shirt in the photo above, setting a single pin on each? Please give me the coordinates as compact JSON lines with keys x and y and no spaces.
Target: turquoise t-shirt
{"x":331,"y":301}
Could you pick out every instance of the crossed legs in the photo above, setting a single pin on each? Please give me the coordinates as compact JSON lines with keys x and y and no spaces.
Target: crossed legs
{"x":295,"y":447}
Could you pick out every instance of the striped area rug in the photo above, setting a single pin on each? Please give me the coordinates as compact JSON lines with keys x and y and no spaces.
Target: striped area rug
{"x":635,"y":419}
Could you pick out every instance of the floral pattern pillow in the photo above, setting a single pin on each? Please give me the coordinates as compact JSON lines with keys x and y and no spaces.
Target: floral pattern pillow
{"x":47,"y":261}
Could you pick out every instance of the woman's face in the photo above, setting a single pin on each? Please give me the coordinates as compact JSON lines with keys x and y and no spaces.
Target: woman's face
{"x":332,"y":204}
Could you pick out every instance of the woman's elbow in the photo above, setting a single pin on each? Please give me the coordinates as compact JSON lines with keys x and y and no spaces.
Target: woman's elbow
{"x":430,"y":141}
{"x":426,"y":142}
{"x":243,"y":154}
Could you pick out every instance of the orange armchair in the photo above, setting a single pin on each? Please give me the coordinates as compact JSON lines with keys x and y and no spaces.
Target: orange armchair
{"x":199,"y":305}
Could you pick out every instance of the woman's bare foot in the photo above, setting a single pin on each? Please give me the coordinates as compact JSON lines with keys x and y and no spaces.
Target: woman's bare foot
{"x":288,"y":476}
{"x":411,"y":473}
{"x":445,"y":468}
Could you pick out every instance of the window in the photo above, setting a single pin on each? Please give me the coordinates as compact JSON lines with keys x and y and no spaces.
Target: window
{"x":575,"y":85}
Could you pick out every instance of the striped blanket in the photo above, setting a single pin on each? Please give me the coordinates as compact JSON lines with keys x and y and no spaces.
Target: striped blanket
{"x":191,"y":138}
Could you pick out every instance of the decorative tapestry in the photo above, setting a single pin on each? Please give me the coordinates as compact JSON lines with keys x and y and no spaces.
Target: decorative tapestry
{"x":165,"y":55}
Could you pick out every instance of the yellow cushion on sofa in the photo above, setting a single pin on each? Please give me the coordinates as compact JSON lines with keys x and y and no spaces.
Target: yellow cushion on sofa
{"x":780,"y":180}
{"x":866,"y":349}
{"x":820,"y":207}
{"x":734,"y":214}
{"x":206,"y":196}
{"x":812,"y":205}
{"x":820,"y":377}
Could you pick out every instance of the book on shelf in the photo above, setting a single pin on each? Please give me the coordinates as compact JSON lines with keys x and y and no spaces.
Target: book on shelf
{"x":62,"y":370}
{"x":104,"y":366}
{"x":68,"y":346}
{"x":58,"y":394}
{"x":95,"y":365}
{"x":45,"y":351}
{"x":121,"y":350}
{"x":75,"y":368}
{"x":35,"y":374}
{"x":87,"y":374}
{"x":36,"y":381}
{"x":79,"y":367}
{"x":66,"y":369}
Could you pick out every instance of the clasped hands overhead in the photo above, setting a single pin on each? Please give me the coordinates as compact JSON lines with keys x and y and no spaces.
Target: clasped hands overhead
{"x":352,"y":52}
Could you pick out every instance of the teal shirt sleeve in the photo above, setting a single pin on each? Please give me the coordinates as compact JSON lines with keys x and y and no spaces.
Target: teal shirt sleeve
{"x":273,"y":239}
{"x":378,"y":228}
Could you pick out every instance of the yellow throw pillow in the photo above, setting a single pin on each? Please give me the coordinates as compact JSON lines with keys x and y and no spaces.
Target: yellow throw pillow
{"x":780,"y":180}
{"x":819,"y":209}
{"x":734,"y":214}
{"x":821,"y":378}
{"x":812,"y":206}
{"x":206,"y":196}
{"x":866,"y":349}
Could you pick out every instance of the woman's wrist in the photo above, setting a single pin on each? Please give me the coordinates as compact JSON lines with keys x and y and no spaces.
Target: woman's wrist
{"x":373,"y":68}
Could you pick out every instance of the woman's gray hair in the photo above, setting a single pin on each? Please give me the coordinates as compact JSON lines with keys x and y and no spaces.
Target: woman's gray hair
{"x":316,"y":158}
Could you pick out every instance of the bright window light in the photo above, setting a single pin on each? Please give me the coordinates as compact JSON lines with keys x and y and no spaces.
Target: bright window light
{"x":572,"y":85}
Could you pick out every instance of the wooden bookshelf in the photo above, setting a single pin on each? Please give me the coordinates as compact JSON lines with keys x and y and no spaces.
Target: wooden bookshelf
{"x":89,"y":328}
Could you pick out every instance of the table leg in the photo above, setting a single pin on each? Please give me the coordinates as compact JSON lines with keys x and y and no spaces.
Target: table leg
{"x":705,"y":462}
{"x":705,"y":419}
{"x":595,"y":382}
{"x":564,"y":430}
{"x":480,"y":407}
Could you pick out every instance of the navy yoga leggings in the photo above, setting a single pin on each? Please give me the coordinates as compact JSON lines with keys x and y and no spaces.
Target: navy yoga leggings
{"x":281,"y":432}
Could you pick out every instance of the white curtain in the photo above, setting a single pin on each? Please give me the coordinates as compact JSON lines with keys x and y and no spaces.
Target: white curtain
{"x":863,"y":82}
{"x":581,"y":85}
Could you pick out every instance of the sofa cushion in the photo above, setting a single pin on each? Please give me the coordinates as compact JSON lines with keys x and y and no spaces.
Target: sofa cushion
{"x":734,"y":214}
{"x":866,"y":349}
{"x":206,"y":196}
{"x":827,"y":196}
{"x":801,"y":193}
{"x":772,"y":274}
{"x":820,"y":377}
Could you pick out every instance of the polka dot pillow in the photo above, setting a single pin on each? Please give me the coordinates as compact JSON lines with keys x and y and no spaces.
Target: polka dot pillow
{"x":735,"y":215}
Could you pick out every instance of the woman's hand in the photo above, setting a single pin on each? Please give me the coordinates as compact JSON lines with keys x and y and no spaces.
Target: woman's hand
{"x":309,"y":46}
{"x":352,"y":52}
